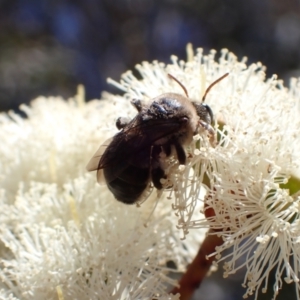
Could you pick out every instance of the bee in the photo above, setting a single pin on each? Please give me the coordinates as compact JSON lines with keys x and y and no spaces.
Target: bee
{"x":132,"y":160}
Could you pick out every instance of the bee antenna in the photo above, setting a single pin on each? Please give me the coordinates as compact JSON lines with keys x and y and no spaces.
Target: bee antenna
{"x":212,"y":84}
{"x":182,"y":86}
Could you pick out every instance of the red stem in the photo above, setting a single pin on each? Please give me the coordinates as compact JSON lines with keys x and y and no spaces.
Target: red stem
{"x":197,"y":270}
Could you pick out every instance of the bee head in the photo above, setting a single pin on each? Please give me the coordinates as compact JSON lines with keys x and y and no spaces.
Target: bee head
{"x":204,"y":112}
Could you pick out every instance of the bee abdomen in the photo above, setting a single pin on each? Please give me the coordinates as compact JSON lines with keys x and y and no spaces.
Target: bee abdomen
{"x":130,"y":184}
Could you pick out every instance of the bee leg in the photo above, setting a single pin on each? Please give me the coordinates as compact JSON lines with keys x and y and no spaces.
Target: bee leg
{"x":210,"y":131}
{"x":137,"y":104}
{"x":180,"y":153}
{"x":157,"y":174}
{"x":122,"y":122}
{"x":167,"y":149}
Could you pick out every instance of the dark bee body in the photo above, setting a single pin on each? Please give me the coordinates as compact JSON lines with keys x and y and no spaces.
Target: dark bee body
{"x":133,"y":158}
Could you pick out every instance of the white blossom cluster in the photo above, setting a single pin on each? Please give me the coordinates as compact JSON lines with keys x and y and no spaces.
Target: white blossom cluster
{"x":63,"y":236}
{"x":251,"y":174}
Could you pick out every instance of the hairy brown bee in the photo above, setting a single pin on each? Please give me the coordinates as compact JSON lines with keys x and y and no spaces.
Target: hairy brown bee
{"x":131,"y":160}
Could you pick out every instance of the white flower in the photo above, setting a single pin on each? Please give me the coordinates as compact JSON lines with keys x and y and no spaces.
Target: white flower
{"x":58,"y":226}
{"x":105,"y":252}
{"x":251,"y":177}
{"x":62,"y":235}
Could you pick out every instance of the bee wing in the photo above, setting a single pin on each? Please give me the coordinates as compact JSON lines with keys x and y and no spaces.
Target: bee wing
{"x":93,"y":164}
{"x":153,"y":130}
{"x":126,"y":145}
{"x":130,"y":146}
